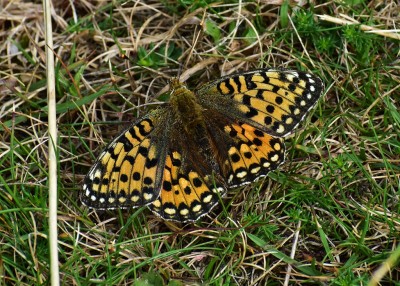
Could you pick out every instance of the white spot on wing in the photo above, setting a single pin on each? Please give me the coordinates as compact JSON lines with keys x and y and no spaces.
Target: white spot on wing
{"x":170,"y":211}
{"x":196,"y":208}
{"x":241,"y":175}
{"x":275,"y":158}
{"x":147,"y":196}
{"x":207,"y":199}
{"x":280,"y":129}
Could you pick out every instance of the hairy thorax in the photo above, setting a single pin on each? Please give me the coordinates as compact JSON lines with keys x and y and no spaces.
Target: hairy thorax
{"x":187,"y":111}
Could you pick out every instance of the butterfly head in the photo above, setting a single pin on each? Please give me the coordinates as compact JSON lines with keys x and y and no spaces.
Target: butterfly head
{"x":175,"y":84}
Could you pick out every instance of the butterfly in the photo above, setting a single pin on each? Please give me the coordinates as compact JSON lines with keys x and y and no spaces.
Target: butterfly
{"x":180,"y":158}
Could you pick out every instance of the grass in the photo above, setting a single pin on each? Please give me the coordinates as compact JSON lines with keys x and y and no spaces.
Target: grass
{"x":328,"y":216}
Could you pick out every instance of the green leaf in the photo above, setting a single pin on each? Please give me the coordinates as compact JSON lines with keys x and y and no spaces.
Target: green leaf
{"x":284,"y":14}
{"x":213,"y":30}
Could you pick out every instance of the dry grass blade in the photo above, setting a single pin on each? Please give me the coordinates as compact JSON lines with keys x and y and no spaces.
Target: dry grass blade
{"x":394,"y":34}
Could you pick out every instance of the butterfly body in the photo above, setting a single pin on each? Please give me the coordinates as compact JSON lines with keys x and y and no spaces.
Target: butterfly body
{"x":180,"y":158}
{"x":186,"y":110}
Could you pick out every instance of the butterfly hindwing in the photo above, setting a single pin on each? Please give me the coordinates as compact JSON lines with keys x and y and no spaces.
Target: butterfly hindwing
{"x":245,"y":153}
{"x":185,"y":194}
{"x":191,"y":183}
{"x":254,"y":155}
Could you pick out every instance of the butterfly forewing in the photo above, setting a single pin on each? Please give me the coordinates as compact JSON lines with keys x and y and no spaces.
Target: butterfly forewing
{"x":128,"y":172}
{"x":274,"y":101}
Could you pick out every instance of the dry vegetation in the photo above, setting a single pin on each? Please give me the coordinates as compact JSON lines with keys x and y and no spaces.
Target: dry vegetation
{"x":329,"y":216}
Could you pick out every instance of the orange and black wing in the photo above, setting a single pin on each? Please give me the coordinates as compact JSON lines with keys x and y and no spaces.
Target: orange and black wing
{"x":272,"y":100}
{"x":246,"y":153}
{"x":129,"y":171}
